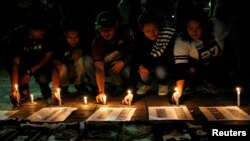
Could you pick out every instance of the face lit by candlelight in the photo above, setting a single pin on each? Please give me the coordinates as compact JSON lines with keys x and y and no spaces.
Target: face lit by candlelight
{"x":194,"y":29}
{"x":151,"y":31}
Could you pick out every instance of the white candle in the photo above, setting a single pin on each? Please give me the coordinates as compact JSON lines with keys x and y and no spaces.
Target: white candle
{"x":176,"y":96}
{"x":31,"y":98}
{"x":177,"y":100}
{"x":17,"y":96}
{"x":238,"y":95}
{"x":85,"y":100}
{"x":59,"y":96}
{"x":129,"y":91}
{"x":130,"y":96}
{"x":104,"y":99}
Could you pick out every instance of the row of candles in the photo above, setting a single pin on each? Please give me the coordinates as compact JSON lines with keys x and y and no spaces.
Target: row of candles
{"x":85,"y":100}
{"x":129,"y":94}
{"x":129,"y":98}
{"x":57,"y":95}
{"x":176,"y":96}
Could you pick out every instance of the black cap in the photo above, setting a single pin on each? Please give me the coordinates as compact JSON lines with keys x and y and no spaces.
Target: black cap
{"x":105,"y":19}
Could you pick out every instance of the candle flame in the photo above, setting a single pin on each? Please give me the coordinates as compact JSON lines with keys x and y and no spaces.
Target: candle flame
{"x":85,"y":100}
{"x":176,"y":89}
{"x":16,"y":86}
{"x":31,"y":98}
{"x":238,"y":90}
{"x":58,"y":90}
{"x":129,"y":92}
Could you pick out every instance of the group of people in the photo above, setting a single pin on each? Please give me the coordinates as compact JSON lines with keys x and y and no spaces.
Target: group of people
{"x":118,"y":58}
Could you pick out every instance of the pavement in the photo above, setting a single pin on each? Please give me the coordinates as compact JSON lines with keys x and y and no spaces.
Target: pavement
{"x":76,"y":122}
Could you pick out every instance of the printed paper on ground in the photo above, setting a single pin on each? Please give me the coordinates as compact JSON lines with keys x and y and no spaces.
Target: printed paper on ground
{"x":224,"y":113}
{"x":112,"y":114}
{"x":6,"y":114}
{"x":169,"y":113}
{"x":51,"y":114}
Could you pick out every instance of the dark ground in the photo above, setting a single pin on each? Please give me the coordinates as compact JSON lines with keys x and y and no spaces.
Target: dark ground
{"x":75,"y":127}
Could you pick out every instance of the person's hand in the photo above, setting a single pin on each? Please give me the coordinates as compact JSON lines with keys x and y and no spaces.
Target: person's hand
{"x":56,"y":96}
{"x":143,"y":71}
{"x":175,"y":97}
{"x":100,"y":98}
{"x":117,"y":66}
{"x":127,"y":100}
{"x":15,"y":97}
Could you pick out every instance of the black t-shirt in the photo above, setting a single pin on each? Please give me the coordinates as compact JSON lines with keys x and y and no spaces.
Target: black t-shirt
{"x":30,"y":51}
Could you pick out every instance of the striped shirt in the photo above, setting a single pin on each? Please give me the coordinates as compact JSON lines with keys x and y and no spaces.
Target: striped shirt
{"x":163,"y":40}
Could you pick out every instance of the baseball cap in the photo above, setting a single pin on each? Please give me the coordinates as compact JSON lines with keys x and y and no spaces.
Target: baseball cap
{"x":105,"y":19}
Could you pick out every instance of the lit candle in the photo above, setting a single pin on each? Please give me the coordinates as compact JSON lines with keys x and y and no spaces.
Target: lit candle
{"x":85,"y":100}
{"x":16,"y":87}
{"x":31,"y":98}
{"x":104,"y":99}
{"x":17,"y":96}
{"x":129,"y":91}
{"x":176,"y":96}
{"x":59,"y":96}
{"x":58,"y":90}
{"x":238,"y":95}
{"x":130,"y":97}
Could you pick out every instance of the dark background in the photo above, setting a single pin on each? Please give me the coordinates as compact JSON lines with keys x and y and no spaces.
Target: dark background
{"x":233,"y":13}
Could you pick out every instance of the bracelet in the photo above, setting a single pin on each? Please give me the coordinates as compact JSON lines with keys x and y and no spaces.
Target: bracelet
{"x":29,"y":72}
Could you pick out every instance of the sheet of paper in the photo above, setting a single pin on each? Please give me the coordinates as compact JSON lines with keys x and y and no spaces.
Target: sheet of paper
{"x":6,"y":114}
{"x":112,"y":114}
{"x":51,"y":114}
{"x":169,"y":113}
{"x":224,"y":113}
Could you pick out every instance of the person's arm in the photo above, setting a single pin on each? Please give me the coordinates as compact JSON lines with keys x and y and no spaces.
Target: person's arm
{"x":100,"y":76}
{"x":100,"y":80}
{"x":15,"y":73}
{"x":14,"y":94}
{"x":180,"y":85}
{"x":181,"y":56}
{"x":55,"y":75}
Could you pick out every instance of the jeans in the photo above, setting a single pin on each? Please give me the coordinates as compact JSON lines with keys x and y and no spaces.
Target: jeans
{"x":109,"y":78}
{"x":72,"y":73}
{"x":159,"y":72}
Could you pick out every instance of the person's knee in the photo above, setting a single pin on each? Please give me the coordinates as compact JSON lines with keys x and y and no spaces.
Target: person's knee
{"x":126,"y":73}
{"x":161,"y":72}
{"x":88,"y":61}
